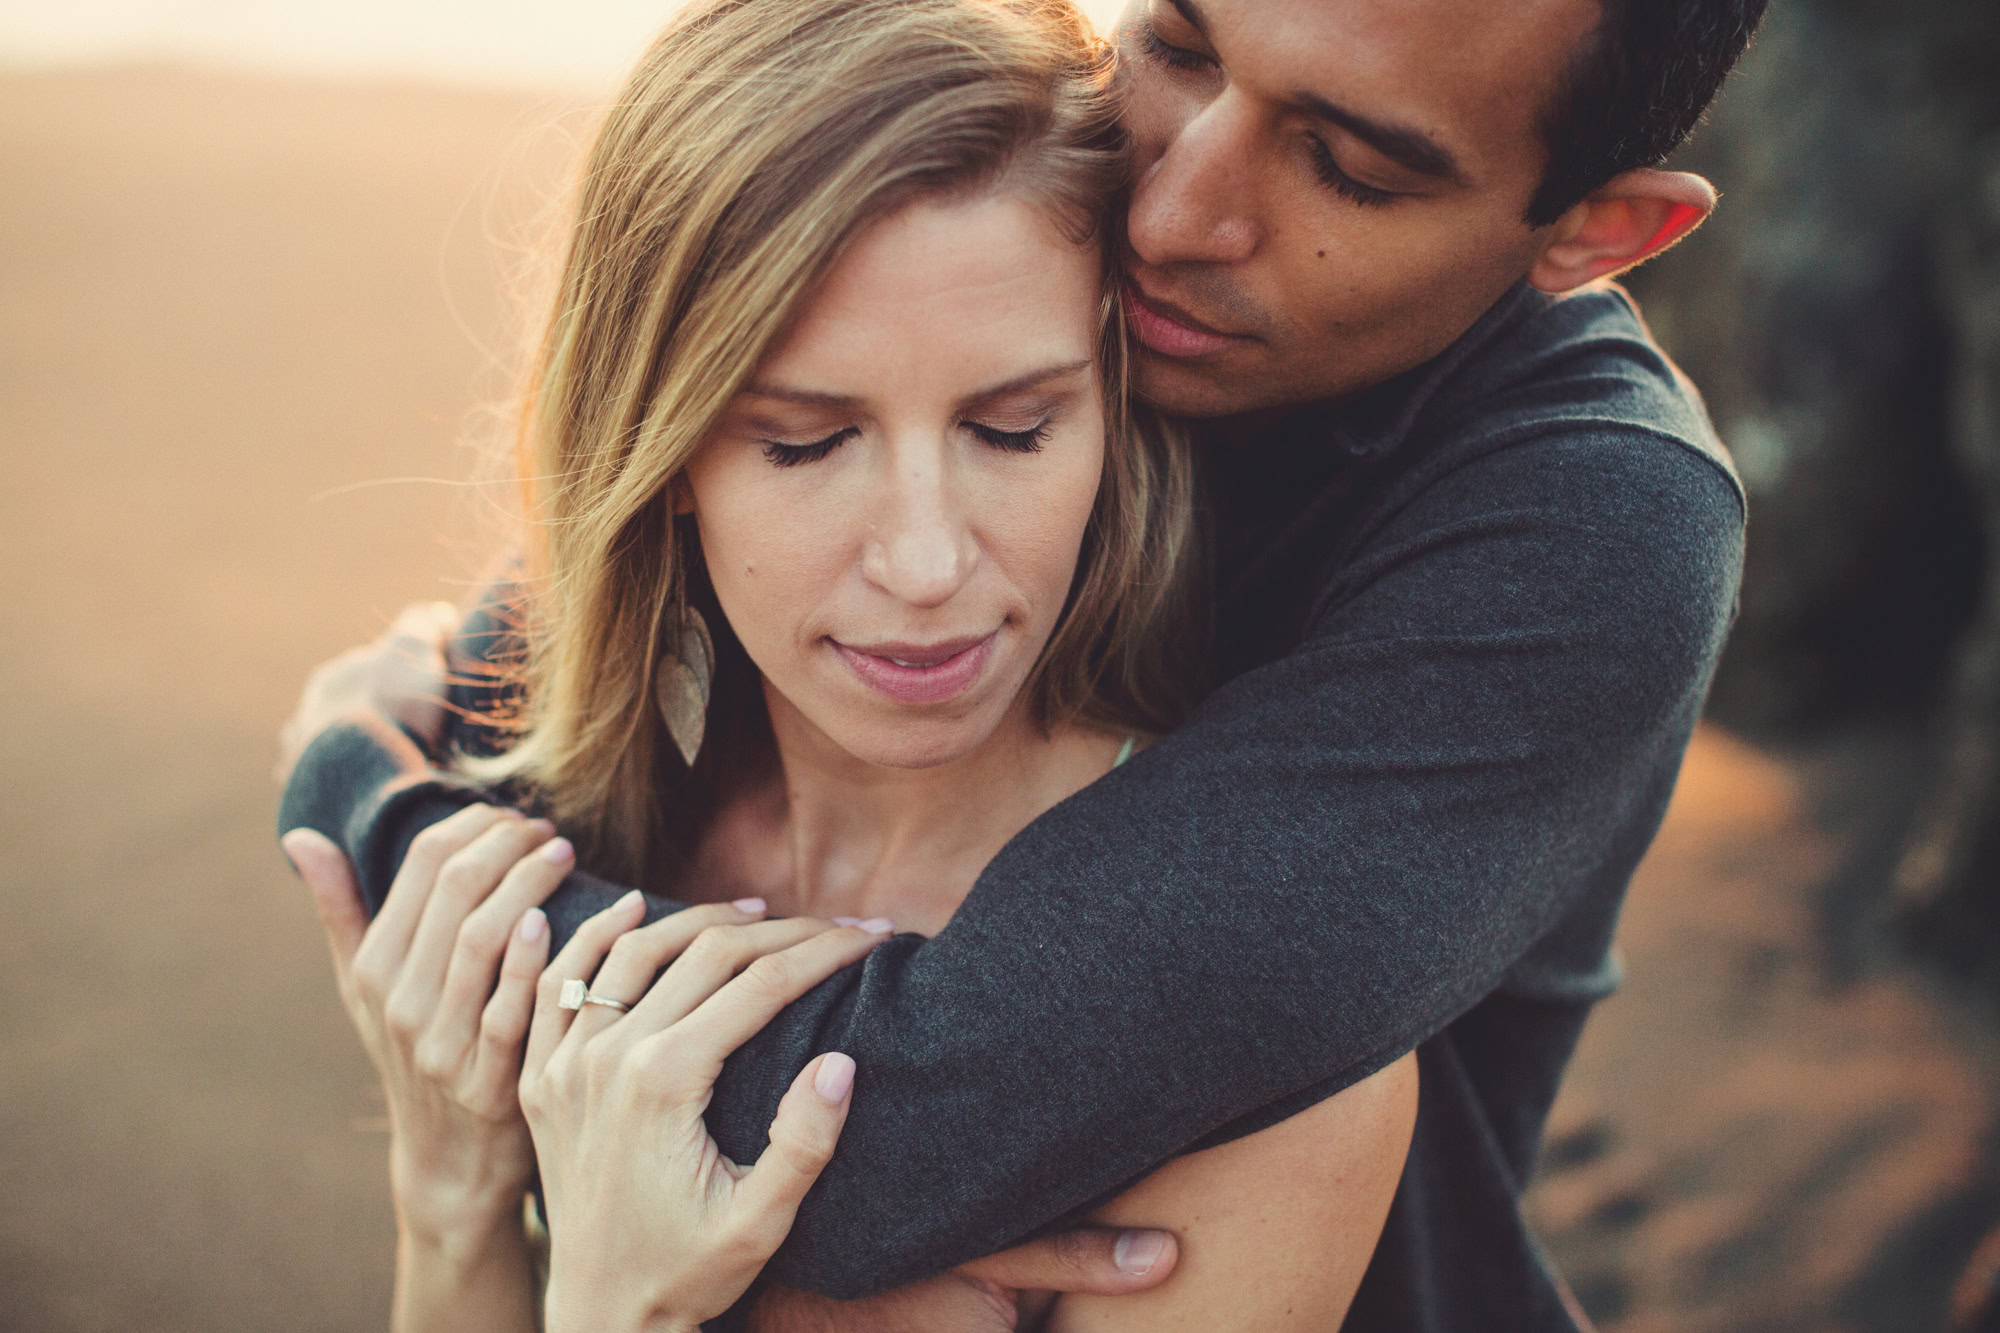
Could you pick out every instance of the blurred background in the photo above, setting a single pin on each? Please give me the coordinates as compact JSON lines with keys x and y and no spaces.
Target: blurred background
{"x":259,"y":268}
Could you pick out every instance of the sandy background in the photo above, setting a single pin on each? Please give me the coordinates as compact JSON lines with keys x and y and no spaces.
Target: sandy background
{"x":218,"y":301}
{"x":229,"y":309}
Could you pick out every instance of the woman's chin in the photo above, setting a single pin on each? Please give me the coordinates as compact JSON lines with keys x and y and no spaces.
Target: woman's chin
{"x":873,"y":729}
{"x":917,"y":746}
{"x":925,"y":740}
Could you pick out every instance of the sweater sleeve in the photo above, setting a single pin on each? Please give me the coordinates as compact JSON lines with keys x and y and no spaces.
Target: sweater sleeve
{"x":366,"y":784}
{"x":1341,"y":852}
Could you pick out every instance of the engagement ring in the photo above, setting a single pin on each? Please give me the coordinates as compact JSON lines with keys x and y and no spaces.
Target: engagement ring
{"x":575,"y":995}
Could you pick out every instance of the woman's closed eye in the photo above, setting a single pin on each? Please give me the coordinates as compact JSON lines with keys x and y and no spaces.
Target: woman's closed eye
{"x":786,"y":454}
{"x":1028,"y":441}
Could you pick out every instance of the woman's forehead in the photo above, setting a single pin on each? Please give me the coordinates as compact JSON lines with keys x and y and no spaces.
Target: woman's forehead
{"x":975,"y":290}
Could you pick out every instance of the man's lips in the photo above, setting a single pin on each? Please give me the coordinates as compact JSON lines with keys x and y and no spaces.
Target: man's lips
{"x":1169,"y":330}
{"x":919,"y":673}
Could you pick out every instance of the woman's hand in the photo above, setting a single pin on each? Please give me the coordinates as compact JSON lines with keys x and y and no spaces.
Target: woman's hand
{"x":441,"y":988}
{"x":650,"y":1225}
{"x":400,"y":676}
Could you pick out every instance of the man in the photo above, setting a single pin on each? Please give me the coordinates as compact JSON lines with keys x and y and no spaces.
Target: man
{"x":1476,"y":553}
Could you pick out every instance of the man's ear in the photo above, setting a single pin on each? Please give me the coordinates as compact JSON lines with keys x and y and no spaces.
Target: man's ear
{"x":1631,"y":218}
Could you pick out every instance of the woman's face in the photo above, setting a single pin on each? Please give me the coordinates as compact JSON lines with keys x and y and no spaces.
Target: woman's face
{"x":891,"y":512}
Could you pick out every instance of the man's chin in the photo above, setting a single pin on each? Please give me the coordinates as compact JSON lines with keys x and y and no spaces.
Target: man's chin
{"x":1195,"y":389}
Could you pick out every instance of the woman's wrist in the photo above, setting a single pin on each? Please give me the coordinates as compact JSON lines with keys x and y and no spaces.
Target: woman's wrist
{"x":596,"y":1307}
{"x":447,"y":1285}
{"x":450,"y":1241}
{"x":452,"y":1216}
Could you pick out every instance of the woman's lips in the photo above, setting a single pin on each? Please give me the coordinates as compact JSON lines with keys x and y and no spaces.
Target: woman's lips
{"x":920,"y":673}
{"x":1165,"y":333}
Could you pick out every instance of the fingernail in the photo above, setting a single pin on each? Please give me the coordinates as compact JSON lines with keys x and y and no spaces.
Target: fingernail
{"x":1137,"y":1251}
{"x":558,"y":852}
{"x":835,"y":1077}
{"x":533,"y":923}
{"x":878,"y":925}
{"x":749,"y":906}
{"x":630,"y":901}
{"x":847,"y":921}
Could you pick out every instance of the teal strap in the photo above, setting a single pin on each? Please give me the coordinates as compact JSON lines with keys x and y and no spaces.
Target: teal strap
{"x":1124,"y":751}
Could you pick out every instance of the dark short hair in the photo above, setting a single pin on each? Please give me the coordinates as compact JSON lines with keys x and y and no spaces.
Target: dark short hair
{"x":1636,"y":90}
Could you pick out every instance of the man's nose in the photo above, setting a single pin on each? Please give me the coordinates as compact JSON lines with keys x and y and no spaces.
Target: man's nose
{"x":920,"y":549}
{"x":1194,"y":204}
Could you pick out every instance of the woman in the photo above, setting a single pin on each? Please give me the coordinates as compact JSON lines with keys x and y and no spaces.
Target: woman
{"x":835,"y":383}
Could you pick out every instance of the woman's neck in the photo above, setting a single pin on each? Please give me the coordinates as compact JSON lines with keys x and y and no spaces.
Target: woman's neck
{"x":836,"y":836}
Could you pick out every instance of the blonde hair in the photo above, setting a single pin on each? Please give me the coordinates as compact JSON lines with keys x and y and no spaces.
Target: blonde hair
{"x":749,"y":145}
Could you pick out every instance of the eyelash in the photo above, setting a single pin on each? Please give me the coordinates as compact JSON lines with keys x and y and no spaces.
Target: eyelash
{"x":1014,"y":441}
{"x":1027,"y":441}
{"x":791,"y":455}
{"x":1340,"y":182}
{"x":1176,"y":57}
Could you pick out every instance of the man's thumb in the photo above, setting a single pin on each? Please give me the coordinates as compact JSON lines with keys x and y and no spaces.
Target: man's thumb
{"x":1099,"y":1260}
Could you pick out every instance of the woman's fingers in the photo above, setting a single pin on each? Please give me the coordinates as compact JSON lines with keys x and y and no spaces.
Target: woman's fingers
{"x":394,"y":926}
{"x":466,"y":879}
{"x":803,"y":1138}
{"x":483,"y":938}
{"x":578,"y":960}
{"x":705,"y":952}
{"x":504,"y":1022}
{"x":697,"y":1045}
{"x":336,"y":895}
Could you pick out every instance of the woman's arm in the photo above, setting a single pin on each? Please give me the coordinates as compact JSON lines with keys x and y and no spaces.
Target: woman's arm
{"x":1276,"y":1228}
{"x":1279,"y":1227}
{"x":440,"y":987}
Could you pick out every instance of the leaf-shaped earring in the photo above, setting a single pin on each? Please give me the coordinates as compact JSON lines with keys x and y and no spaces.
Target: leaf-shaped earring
{"x":682,"y":680}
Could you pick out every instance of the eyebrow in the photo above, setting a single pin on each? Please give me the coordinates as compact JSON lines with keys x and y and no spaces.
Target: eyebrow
{"x":1192,"y":13}
{"x":1404,"y":146}
{"x":1400,"y":144}
{"x":812,"y":398}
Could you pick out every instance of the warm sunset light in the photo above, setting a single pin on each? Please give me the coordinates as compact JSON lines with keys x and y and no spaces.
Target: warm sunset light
{"x":1159,"y":635}
{"x":581,"y":46}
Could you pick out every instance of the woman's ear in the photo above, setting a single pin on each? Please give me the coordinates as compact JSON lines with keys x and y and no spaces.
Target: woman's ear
{"x":1631,"y":218}
{"x":680,"y":496}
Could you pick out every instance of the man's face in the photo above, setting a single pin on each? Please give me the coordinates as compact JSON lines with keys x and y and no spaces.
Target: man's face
{"x":1329,"y":192}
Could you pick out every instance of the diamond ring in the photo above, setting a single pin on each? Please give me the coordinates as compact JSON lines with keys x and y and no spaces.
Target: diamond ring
{"x":575,"y":995}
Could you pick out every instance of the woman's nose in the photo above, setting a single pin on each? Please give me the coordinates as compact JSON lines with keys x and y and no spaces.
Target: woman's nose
{"x":920,"y":549}
{"x":1193,"y":205}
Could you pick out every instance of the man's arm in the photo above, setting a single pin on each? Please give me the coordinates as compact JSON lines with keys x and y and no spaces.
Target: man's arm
{"x":1341,"y":852}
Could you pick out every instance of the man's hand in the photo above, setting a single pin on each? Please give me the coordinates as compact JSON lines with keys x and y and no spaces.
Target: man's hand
{"x":400,"y":676}
{"x":1009,"y":1292}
